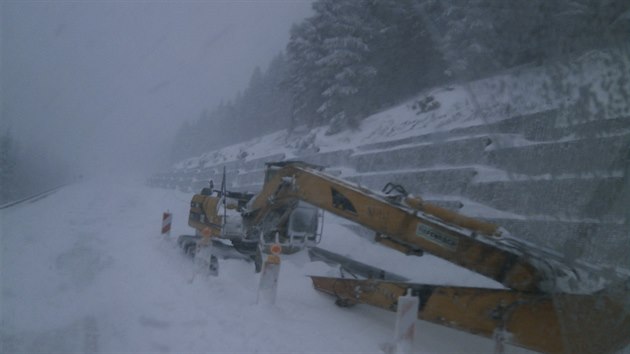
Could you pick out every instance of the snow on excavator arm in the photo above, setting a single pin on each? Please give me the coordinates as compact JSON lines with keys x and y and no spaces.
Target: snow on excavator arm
{"x":534,"y":312}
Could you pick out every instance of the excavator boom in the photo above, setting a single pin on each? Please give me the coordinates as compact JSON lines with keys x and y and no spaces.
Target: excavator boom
{"x":406,"y":228}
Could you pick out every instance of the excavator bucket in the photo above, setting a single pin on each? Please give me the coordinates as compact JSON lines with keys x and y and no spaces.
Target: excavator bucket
{"x":548,"y":323}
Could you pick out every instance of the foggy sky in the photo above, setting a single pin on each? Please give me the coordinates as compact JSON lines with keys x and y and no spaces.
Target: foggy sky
{"x":106,"y":84}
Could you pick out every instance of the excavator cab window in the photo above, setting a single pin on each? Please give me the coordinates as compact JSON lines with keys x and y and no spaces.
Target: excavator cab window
{"x":303,"y":223}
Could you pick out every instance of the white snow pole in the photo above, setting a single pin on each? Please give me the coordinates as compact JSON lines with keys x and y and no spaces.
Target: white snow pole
{"x":205,"y":261}
{"x":167,"y":218}
{"x":406,"y":317}
{"x":499,"y":341}
{"x":268,"y":286}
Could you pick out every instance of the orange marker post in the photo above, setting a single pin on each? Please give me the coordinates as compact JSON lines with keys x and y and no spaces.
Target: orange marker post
{"x":167,"y":218}
{"x":268,"y":286}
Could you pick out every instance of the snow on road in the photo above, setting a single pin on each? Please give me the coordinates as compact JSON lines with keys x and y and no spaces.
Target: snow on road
{"x":85,"y":270}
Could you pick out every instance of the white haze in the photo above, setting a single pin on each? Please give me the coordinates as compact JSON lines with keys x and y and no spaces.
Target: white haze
{"x":103,"y":86}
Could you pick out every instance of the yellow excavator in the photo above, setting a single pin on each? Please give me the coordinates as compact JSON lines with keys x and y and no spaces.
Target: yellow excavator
{"x":233,"y":221}
{"x":546,"y":305}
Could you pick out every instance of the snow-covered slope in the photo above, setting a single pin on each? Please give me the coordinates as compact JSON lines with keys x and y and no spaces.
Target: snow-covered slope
{"x":591,"y":87}
{"x":85,"y":270}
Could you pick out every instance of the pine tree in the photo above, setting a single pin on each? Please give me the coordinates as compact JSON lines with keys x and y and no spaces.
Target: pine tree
{"x":354,"y":57}
{"x":328,"y":55}
{"x":479,"y":37}
{"x":344,"y":64}
{"x":403,"y":52}
{"x":304,"y":79}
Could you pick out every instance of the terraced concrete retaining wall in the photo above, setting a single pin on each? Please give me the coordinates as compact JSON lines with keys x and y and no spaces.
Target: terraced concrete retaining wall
{"x":548,"y":181}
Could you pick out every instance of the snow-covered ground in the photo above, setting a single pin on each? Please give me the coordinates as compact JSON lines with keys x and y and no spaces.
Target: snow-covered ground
{"x":86,"y":270}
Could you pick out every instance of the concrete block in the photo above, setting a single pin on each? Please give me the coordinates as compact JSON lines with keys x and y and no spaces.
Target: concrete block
{"x":442,"y":182}
{"x":568,"y":198}
{"x":448,"y":153}
{"x":582,"y":156}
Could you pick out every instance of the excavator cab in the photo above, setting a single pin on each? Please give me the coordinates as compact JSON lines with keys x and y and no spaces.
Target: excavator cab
{"x":303,"y":229}
{"x":304,"y":226}
{"x":293,"y":226}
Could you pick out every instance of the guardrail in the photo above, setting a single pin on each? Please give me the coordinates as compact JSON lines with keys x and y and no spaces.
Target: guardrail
{"x":32,"y":198}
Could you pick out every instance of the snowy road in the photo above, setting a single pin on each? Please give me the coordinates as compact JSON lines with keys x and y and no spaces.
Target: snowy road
{"x":85,"y":270}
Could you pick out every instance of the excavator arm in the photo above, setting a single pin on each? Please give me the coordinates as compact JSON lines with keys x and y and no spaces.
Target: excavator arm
{"x":534,"y":311}
{"x":461,"y":240}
